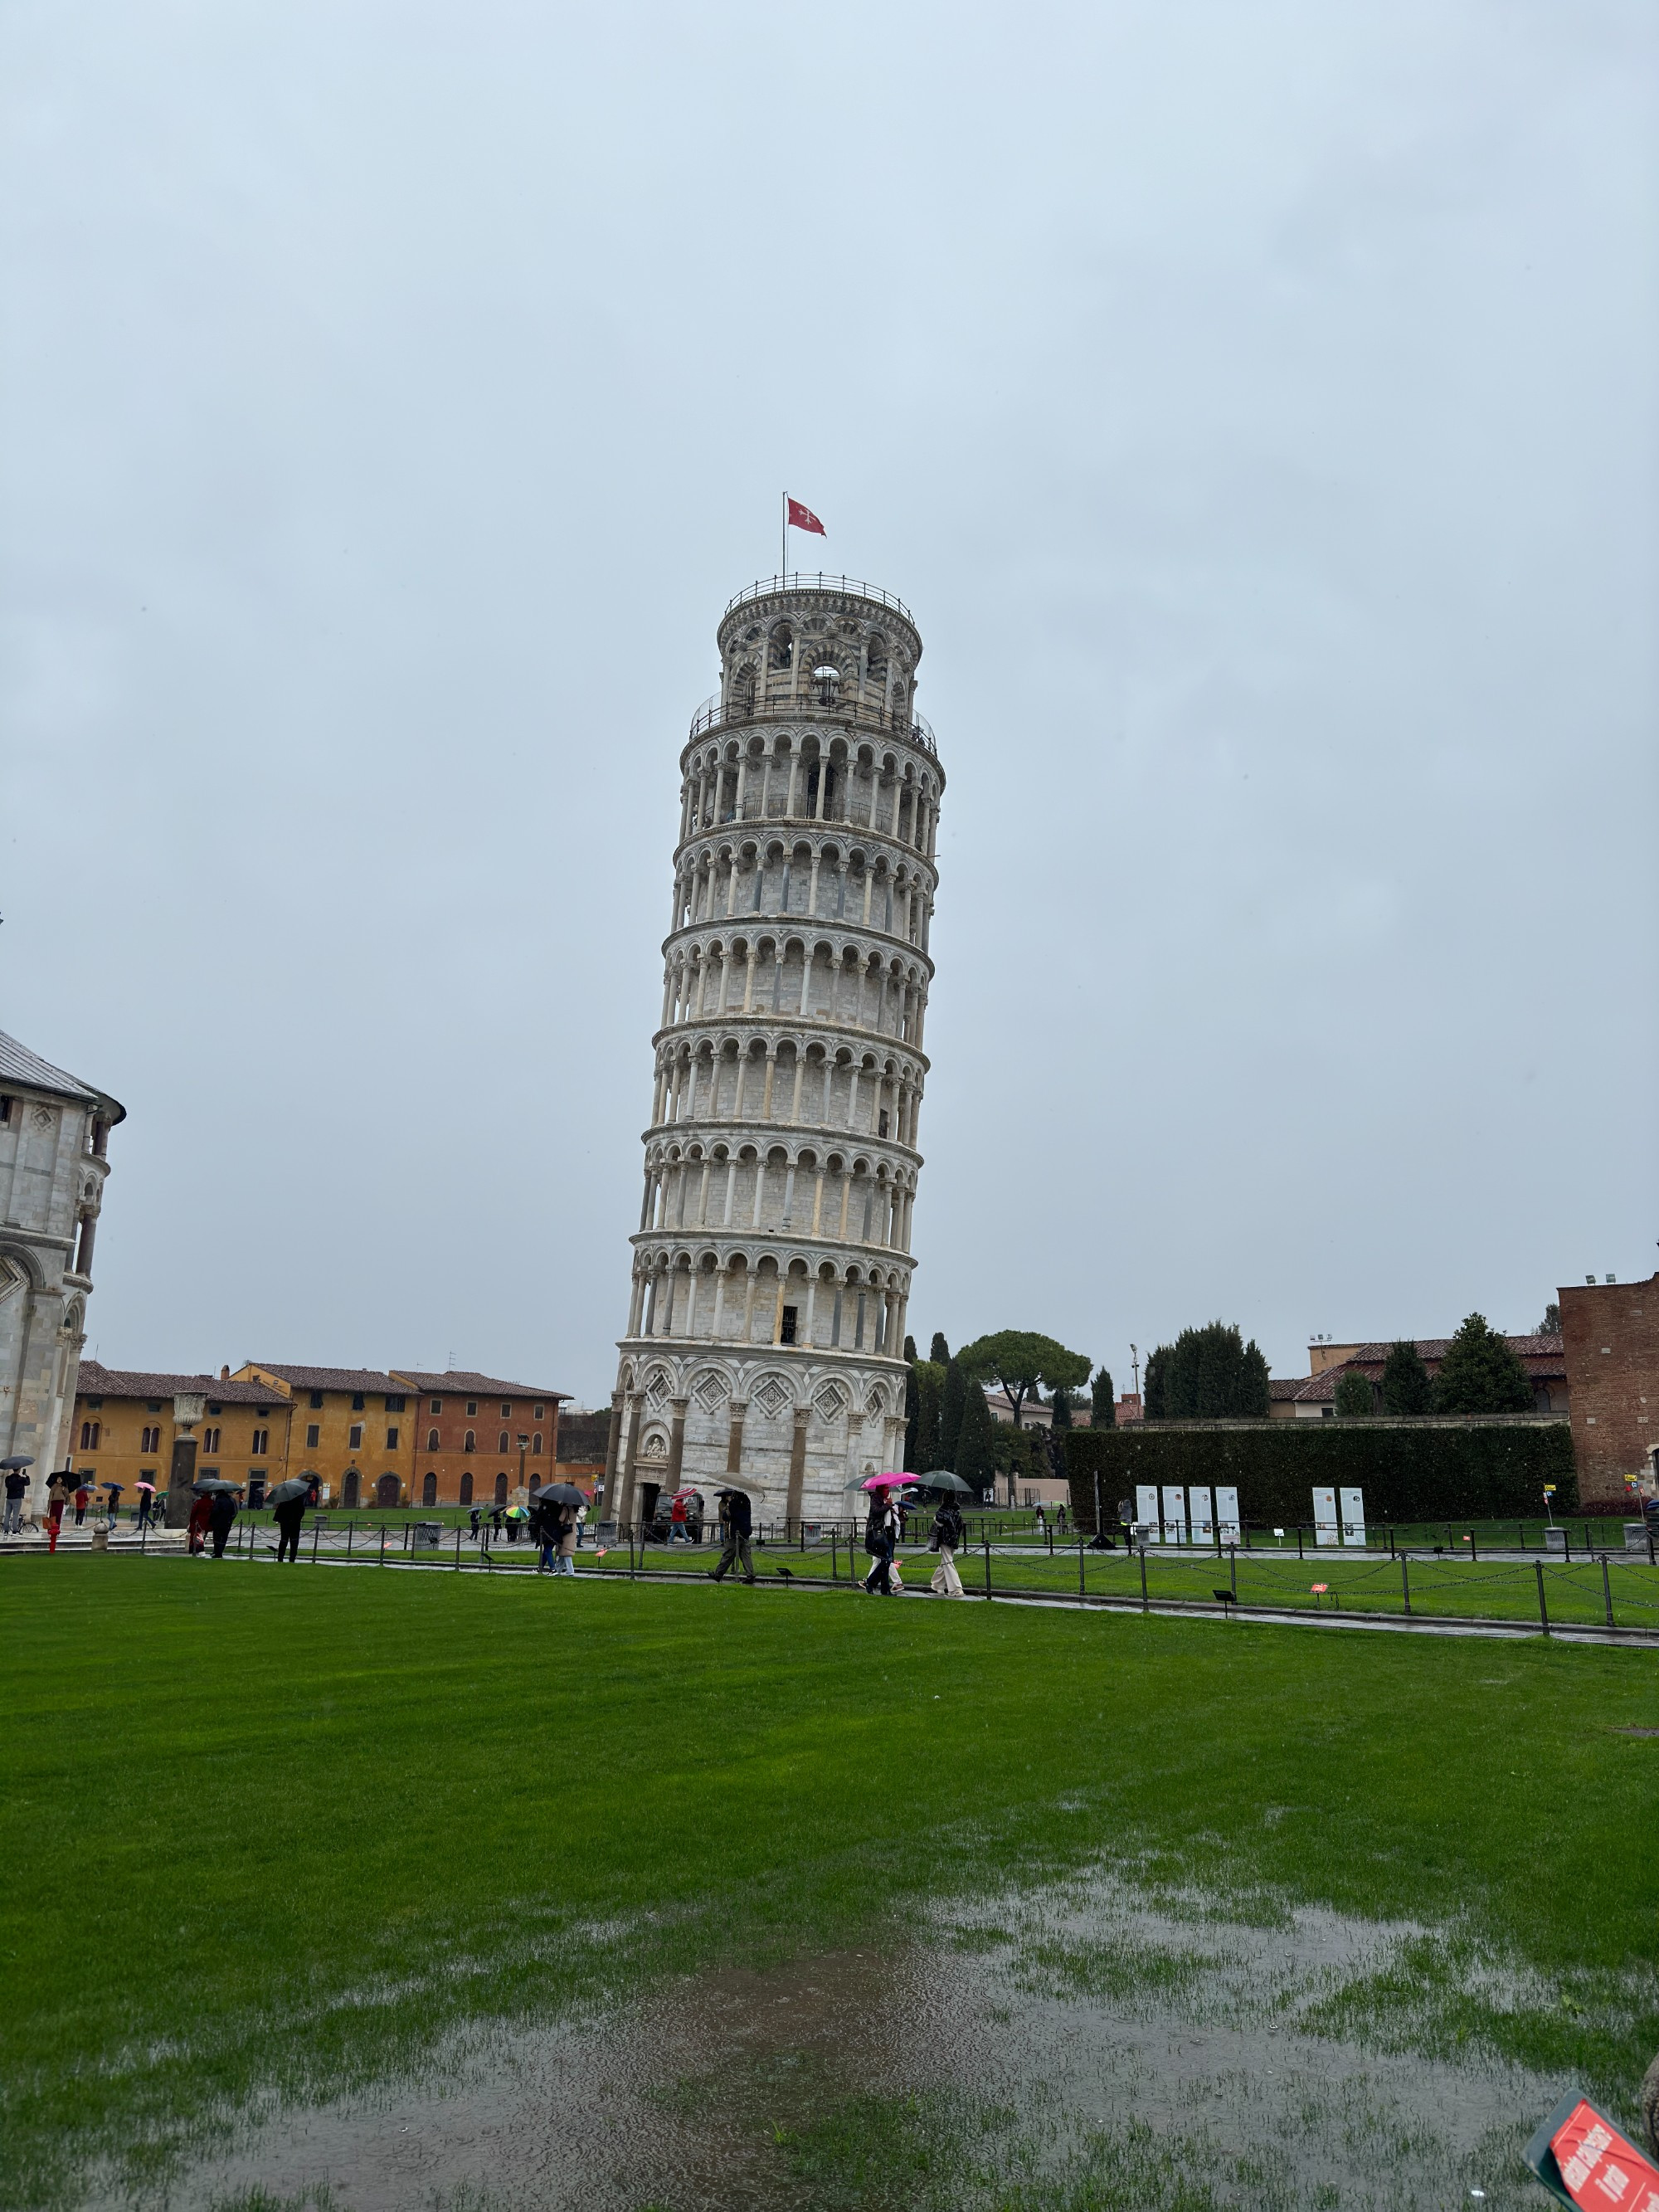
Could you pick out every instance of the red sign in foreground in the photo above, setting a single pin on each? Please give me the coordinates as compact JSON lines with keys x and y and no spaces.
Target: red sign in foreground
{"x":1601,"y":2168}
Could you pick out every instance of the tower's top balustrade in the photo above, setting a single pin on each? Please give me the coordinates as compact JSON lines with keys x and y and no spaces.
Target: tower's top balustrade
{"x":823,"y":647}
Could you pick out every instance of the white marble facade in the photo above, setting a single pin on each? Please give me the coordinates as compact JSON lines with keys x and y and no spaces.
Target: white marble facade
{"x":54,"y":1134}
{"x":772,"y":1258}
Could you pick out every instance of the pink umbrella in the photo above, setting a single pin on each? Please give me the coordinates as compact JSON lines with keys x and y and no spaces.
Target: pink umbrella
{"x":886,"y":1481}
{"x":150,"y":1486}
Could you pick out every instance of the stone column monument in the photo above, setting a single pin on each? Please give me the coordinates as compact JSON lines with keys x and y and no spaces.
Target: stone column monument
{"x":187,"y":1411}
{"x":772,"y":1258}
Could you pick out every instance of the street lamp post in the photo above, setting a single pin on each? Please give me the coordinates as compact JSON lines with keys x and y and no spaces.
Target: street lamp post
{"x":523,"y":1446}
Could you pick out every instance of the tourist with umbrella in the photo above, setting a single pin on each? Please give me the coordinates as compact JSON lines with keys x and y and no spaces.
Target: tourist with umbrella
{"x":82,"y":1500}
{"x":881,"y":1532}
{"x":112,"y":1507}
{"x":556,"y":1505}
{"x":678,"y":1531}
{"x":948,"y":1534}
{"x":17,"y":1489}
{"x":222,"y":1501}
{"x":146,"y":1503}
{"x":289,"y":1502}
{"x":738,"y":1520}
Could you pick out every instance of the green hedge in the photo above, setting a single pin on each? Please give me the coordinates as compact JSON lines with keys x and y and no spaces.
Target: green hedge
{"x":1408,"y":1470}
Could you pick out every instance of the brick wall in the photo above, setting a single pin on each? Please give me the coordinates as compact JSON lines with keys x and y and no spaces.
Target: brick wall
{"x":1610,"y":1336}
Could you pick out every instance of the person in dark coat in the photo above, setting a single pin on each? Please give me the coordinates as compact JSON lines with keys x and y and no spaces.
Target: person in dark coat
{"x":144,"y":1497}
{"x":881,"y":1528}
{"x":947,"y":1537}
{"x":17,"y":1489}
{"x":287,"y":1516}
{"x":201,"y":1520}
{"x":82,"y":1500}
{"x":473,"y":1526}
{"x":736,"y":1513}
{"x":221,"y":1519}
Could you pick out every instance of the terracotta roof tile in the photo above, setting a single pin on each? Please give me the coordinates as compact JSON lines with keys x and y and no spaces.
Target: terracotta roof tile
{"x":99,"y":1381}
{"x":460,"y":1381}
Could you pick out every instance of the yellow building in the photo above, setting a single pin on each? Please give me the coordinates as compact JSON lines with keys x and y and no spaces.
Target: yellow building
{"x":352,"y":1427}
{"x":123,"y":1428}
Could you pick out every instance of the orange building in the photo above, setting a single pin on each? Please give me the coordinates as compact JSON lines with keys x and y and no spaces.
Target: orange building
{"x":477,"y":1438}
{"x":123,"y":1428}
{"x":350,"y":1428}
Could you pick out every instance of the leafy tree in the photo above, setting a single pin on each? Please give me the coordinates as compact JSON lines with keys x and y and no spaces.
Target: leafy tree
{"x":1551,"y":1324}
{"x":1104,"y":1415}
{"x":1208,"y":1374}
{"x":912,"y":1405}
{"x":1407,"y":1389}
{"x":1019,"y":1359}
{"x":953,"y":1399}
{"x":974,"y":1461}
{"x":938,"y":1351}
{"x":1158,"y":1371}
{"x":1354,"y":1401}
{"x":1017,"y":1454}
{"x":1062,"y":1405}
{"x":1480,"y":1375}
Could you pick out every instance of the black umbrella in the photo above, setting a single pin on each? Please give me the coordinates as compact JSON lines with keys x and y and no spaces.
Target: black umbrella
{"x":210,"y":1483}
{"x":295,"y":1486}
{"x":560,"y":1493}
{"x":943,"y":1480}
{"x":17,"y":1460}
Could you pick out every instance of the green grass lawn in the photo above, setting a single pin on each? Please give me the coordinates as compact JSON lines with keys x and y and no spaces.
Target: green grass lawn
{"x":281,"y":1829}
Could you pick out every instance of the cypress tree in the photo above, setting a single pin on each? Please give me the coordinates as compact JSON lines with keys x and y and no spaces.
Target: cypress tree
{"x":1157,"y":1397}
{"x":952,"y":1399}
{"x":1354,"y":1401}
{"x":974,"y":1462}
{"x":938,"y":1351}
{"x":1061,"y":1403}
{"x":1407,"y":1390}
{"x":912,"y":1407}
{"x":929,"y":1383}
{"x":1105,"y":1406}
{"x":1480,"y":1375}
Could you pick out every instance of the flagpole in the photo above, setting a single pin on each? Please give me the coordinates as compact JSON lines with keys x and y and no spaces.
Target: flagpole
{"x":783,"y":541}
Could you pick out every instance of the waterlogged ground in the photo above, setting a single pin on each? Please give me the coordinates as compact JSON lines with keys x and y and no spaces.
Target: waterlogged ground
{"x":1102,"y":2042}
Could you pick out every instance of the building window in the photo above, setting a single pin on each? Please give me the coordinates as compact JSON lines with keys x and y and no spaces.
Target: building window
{"x":149,"y":1440}
{"x":430,"y":1491}
{"x":467,"y":1490}
{"x":212,"y":1408}
{"x":502,"y":1447}
{"x":538,"y":1413}
{"x":788,"y":1335}
{"x":261,"y":1443}
{"x":355,"y":1439}
{"x":472,"y":1409}
{"x":154,"y":1407}
{"x":314,"y":1435}
{"x":536,"y":1445}
{"x":437,"y":1405}
{"x":208,"y":1473}
{"x":501,"y":1490}
{"x":432,"y":1443}
{"x":470,"y":1443}
{"x":90,"y":1431}
{"x":209,"y":1440}
{"x":391,"y":1440}
{"x":316,"y":1401}
{"x":506,"y":1411}
{"x":357,"y":1401}
{"x":394,"y":1404}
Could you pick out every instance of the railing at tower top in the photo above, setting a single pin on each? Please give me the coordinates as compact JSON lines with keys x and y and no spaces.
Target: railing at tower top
{"x":716,"y":714}
{"x":768,"y":586}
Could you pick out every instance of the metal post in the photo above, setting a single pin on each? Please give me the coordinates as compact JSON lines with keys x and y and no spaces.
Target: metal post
{"x":1299,"y":1539}
{"x":1543,"y":1610}
{"x":1232,"y":1567}
{"x":1607,"y":1590}
{"x":383,"y":1543}
{"x":1474,"y":1549}
{"x":630,"y":1551}
{"x":1142,"y":1549}
{"x":1082,"y":1585}
{"x":316,"y":1531}
{"x":351,"y":1530}
{"x":1406,"y":1581}
{"x":458,"y":1550}
{"x":987,"y":1566}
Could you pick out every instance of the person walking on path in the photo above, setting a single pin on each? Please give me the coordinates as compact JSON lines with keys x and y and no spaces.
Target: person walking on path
{"x":287,"y":1516}
{"x":221,"y":1519}
{"x":678,"y":1531}
{"x":544,"y":1528}
{"x":566,"y":1530}
{"x":881,"y":1528}
{"x":201,"y":1520}
{"x":1060,"y":1524}
{"x":144,"y":1497}
{"x":581,"y":1528}
{"x":945,"y":1538}
{"x":17,"y":1489}
{"x":58,"y":1496}
{"x":735,"y":1512}
{"x":82,"y":1500}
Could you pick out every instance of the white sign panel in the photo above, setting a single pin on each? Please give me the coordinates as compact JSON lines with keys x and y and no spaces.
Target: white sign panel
{"x":1198,"y":1506}
{"x":1353,"y":1517}
{"x":1226,"y":1514}
{"x":1174,"y":1515}
{"x":1146,"y":1504}
{"x":1324,"y":1528}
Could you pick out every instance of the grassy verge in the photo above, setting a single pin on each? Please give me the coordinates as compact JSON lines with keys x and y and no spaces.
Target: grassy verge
{"x":344,"y":1810}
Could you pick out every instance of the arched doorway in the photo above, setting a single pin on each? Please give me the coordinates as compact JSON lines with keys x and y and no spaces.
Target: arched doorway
{"x":430,"y":1491}
{"x":386,"y":1490}
{"x":501,"y":1490}
{"x":467,"y":1490}
{"x":353,"y":1490}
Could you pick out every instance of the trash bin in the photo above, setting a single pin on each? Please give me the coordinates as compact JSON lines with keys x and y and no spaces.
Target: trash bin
{"x":1636,"y":1537}
{"x":1555,"y":1540}
{"x":426,"y":1535}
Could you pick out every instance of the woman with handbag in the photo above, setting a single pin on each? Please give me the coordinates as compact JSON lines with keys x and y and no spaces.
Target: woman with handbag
{"x":946,"y":1538}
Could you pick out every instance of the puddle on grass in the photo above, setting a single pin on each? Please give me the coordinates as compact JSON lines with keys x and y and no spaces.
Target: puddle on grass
{"x":1065,"y":2047}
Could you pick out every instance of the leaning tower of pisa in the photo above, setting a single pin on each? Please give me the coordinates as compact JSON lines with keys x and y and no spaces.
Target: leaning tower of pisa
{"x":772,"y":1262}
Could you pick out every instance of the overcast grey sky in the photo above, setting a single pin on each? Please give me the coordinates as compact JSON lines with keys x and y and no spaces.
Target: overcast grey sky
{"x":1254,"y":402}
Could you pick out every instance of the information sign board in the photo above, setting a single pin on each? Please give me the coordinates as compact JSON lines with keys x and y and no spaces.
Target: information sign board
{"x":1175,"y":1514}
{"x":1146,"y":1504}
{"x":1325,"y":1526}
{"x":1582,"y":2157}
{"x":1353,"y":1515}
{"x":1198,"y":1514}
{"x":1226,"y":1514}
